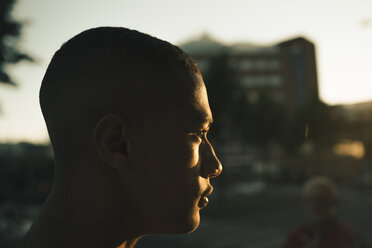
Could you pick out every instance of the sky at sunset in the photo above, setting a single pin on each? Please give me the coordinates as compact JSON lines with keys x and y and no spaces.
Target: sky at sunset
{"x":341,"y":31}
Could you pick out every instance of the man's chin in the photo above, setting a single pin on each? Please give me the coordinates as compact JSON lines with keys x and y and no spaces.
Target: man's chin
{"x":188,"y":225}
{"x":192,"y":227}
{"x":192,"y":222}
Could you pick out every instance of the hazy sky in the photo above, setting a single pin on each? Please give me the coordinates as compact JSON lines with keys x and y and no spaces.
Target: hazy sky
{"x":341,"y":31}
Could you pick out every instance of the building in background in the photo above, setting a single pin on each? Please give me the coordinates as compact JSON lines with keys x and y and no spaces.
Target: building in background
{"x":286,"y":71}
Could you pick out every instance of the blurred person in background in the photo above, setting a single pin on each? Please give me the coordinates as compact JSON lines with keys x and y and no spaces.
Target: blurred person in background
{"x":128,"y":116}
{"x":323,"y":230}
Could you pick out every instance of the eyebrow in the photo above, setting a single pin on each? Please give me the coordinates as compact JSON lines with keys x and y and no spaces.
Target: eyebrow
{"x":201,"y":118}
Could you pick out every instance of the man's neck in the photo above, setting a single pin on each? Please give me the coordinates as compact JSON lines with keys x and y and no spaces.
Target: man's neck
{"x":74,"y":221}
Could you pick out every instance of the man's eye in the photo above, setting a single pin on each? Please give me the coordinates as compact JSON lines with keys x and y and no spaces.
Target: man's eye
{"x":201,"y":135}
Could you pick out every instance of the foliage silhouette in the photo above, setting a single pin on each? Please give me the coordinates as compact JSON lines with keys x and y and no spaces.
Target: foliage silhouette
{"x":10,"y":32}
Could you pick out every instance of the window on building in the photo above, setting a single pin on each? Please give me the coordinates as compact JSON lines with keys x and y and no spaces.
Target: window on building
{"x":261,"y":80}
{"x":247,"y":64}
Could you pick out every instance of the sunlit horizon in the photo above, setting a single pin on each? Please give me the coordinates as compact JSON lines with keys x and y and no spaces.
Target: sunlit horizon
{"x":342,"y":36}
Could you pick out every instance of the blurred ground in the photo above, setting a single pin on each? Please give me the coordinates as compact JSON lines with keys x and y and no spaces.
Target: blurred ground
{"x":257,"y":221}
{"x":264,"y":221}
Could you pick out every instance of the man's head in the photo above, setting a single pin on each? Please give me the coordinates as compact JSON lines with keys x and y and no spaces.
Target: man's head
{"x":127,"y":115}
{"x":321,"y":198}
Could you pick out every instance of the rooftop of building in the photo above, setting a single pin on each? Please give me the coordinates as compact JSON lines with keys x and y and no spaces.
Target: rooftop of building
{"x":205,"y":44}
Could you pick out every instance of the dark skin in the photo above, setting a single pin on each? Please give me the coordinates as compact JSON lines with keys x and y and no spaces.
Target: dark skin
{"x":133,"y":177}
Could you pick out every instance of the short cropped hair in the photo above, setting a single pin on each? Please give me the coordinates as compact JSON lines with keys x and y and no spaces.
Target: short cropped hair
{"x":99,"y":68}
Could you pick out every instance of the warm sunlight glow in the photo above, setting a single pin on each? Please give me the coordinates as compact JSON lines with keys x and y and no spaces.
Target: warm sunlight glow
{"x":350,"y":148}
{"x":342,"y":36}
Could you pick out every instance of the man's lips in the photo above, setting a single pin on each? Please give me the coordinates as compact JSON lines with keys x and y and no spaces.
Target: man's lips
{"x":203,"y":202}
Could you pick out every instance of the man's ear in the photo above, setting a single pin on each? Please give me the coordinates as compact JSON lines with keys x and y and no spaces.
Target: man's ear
{"x":111,"y":141}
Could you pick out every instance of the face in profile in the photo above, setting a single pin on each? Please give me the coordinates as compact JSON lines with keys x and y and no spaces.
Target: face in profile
{"x":174,"y":162}
{"x":131,"y":150}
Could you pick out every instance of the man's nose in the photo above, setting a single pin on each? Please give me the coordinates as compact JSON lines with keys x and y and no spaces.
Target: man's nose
{"x":211,"y":166}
